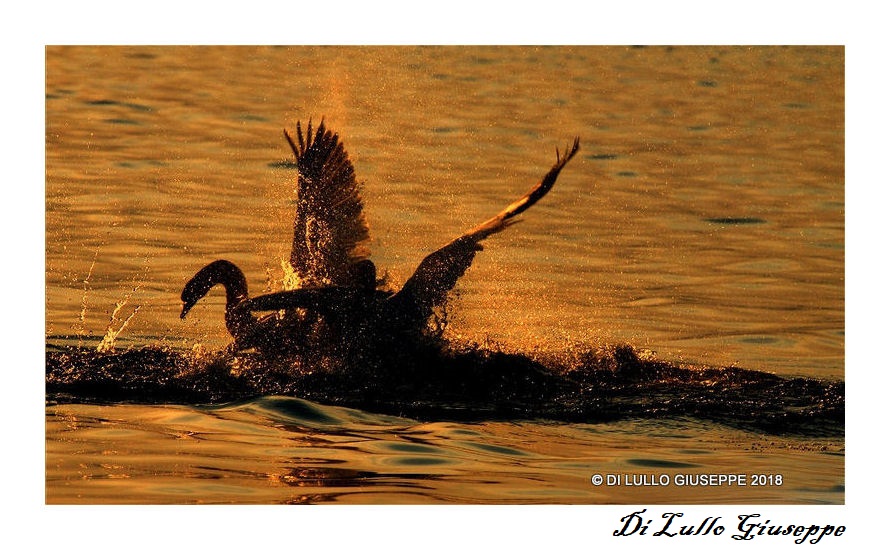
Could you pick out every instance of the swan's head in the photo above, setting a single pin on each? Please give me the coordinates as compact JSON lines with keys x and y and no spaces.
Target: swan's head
{"x":194,"y":290}
{"x":221,"y":272}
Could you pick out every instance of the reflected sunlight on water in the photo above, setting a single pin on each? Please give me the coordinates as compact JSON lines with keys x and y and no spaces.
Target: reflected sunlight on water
{"x":154,"y":177}
{"x":283,"y":450}
{"x":702,"y":219}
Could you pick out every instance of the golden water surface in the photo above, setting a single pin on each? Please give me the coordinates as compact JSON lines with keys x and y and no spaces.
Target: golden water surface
{"x":703,"y":218}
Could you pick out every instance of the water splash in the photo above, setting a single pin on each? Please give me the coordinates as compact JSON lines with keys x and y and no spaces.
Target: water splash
{"x":291,"y":280}
{"x":81,"y":325}
{"x":111,"y":334}
{"x":464,"y":383}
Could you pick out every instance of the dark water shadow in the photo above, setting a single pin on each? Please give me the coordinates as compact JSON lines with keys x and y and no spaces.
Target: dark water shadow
{"x":464,"y":384}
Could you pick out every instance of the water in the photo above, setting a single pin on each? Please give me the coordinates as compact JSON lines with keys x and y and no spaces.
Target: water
{"x":285,"y":450}
{"x":703,"y":221}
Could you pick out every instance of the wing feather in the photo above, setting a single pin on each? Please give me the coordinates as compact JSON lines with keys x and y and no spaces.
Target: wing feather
{"x":330,"y":229}
{"x":438,"y":273}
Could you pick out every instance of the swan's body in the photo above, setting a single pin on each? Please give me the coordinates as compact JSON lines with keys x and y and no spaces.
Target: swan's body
{"x":339,"y":295}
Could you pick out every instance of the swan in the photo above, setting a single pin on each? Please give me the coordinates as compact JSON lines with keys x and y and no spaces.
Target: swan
{"x":339,"y":298}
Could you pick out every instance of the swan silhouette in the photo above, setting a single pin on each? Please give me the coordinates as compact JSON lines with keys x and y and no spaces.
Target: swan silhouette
{"x":339,"y":299}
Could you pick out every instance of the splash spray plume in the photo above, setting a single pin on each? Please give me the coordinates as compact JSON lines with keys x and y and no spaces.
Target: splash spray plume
{"x":108,"y":341}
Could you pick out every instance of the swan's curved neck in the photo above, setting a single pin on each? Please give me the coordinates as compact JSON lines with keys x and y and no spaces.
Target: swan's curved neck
{"x":221,"y":272}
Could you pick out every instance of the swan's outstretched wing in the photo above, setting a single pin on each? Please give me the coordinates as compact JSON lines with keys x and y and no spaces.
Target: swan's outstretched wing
{"x":438,"y":273}
{"x":330,"y":230}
